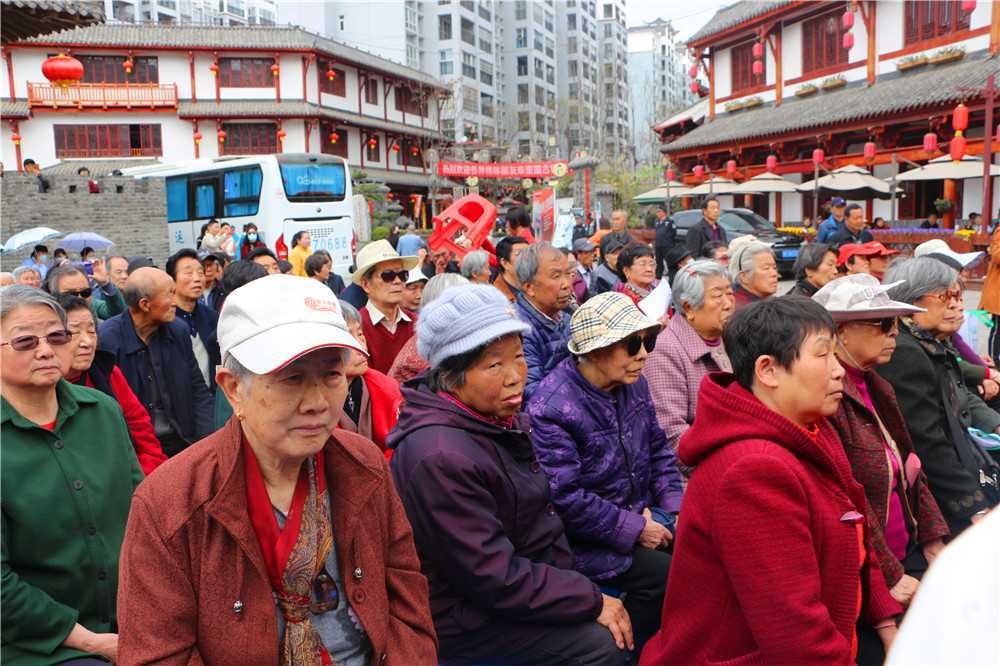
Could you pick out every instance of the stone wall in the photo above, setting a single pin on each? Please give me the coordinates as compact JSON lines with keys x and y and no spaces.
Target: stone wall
{"x":132,"y":213}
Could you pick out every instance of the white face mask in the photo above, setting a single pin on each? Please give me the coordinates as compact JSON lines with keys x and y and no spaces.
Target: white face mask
{"x":252,"y":237}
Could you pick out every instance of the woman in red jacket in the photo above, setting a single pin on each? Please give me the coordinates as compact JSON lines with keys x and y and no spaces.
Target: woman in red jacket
{"x":771,"y":563}
{"x":98,"y":370}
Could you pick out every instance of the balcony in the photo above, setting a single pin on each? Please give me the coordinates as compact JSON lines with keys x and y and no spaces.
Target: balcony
{"x":103,"y":96}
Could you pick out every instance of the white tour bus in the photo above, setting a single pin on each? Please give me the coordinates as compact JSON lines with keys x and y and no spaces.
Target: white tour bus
{"x":281,"y":194}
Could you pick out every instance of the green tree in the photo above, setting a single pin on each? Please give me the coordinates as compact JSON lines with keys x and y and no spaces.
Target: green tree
{"x":628,"y":183}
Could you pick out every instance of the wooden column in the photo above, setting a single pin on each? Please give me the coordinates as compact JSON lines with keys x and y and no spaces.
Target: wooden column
{"x":711,"y":84}
{"x":951,"y":194}
{"x":218,"y":85}
{"x":277,"y":79}
{"x":194,"y":82}
{"x":869,"y":210}
{"x":868,"y":18}
{"x":197,"y":144}
{"x":10,"y":73}
{"x":777,"y":209}
{"x":773,"y":40}
{"x":15,"y":129}
{"x":995,"y":31}
{"x":747,"y":201}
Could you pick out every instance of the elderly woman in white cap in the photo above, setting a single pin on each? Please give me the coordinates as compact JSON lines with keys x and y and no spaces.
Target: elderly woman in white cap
{"x":906,"y":527}
{"x":503,"y":588}
{"x":412,"y":295}
{"x":288,"y":543}
{"x":753,"y":270}
{"x":613,"y":477}
{"x":387,"y":324}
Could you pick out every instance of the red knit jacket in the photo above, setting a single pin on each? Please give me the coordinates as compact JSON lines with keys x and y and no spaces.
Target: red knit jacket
{"x":386,"y":401}
{"x":766,"y":566}
{"x":383,"y":346}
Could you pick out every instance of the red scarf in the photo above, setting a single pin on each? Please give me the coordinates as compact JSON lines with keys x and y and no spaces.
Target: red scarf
{"x":295,"y":555}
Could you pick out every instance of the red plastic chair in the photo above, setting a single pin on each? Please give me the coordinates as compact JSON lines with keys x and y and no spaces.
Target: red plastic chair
{"x":472,"y":215}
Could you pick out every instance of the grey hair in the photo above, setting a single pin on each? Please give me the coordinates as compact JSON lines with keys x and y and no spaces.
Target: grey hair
{"x":437,"y":284}
{"x":351,"y":314}
{"x":741,"y":258}
{"x":922,"y":275}
{"x":21,"y":270}
{"x":474,"y":263}
{"x":689,"y":283}
{"x":528,"y":261}
{"x":21,"y":295}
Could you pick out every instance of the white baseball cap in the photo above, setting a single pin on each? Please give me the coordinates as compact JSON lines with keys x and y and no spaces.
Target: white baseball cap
{"x":937,"y":248}
{"x":268,"y":323}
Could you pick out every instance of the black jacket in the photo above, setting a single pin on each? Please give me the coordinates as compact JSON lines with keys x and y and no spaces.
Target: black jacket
{"x":700,"y":235}
{"x":206,"y":322}
{"x":666,"y":233}
{"x":844,"y":236}
{"x":170,"y":360}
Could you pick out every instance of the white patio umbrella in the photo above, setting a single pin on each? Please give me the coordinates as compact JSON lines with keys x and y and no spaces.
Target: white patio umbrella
{"x":850,"y":182}
{"x":942,"y":168}
{"x":29,"y":237}
{"x":716,"y":185}
{"x":662,"y":193}
{"x":766,"y":182}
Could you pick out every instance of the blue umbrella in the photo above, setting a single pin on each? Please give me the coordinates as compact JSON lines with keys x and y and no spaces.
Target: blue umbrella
{"x":29,"y":237}
{"x":78,"y":240}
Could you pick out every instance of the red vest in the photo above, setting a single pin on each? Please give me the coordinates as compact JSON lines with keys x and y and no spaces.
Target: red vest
{"x":383,"y":346}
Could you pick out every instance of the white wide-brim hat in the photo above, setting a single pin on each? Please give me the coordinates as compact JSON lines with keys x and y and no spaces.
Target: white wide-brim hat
{"x":937,"y":248}
{"x":376,"y":253}
{"x":861,"y":296}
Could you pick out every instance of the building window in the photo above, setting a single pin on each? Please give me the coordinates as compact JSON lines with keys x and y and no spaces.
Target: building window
{"x":470,"y":100}
{"x":468,"y":65}
{"x":571,"y":22}
{"x":537,"y":14}
{"x":742,"y":68}
{"x":538,"y":41}
{"x":524,"y":147}
{"x":574,"y":68}
{"x":523,"y":121}
{"x":110,"y":69}
{"x":539,"y":69}
{"x":444,"y":27}
{"x":329,"y":132}
{"x":822,"y":42}
{"x":484,"y":11}
{"x":485,"y":40}
{"x":373,"y":152}
{"x":250,"y":138}
{"x":550,"y":73}
{"x":340,"y":19}
{"x":409,"y":157}
{"x":520,"y":10}
{"x":522,"y":93}
{"x":246,"y":72}
{"x":447,"y":66}
{"x":927,"y":19}
{"x":338,"y":86}
{"x":486,"y":104}
{"x":522,"y":65}
{"x":371,"y":90}
{"x":108,"y":141}
{"x":571,"y":45}
{"x":608,"y":11}
{"x":468,"y":32}
{"x":521,"y":38}
{"x":539,"y":96}
{"x":607,"y":30}
{"x":549,"y":22}
{"x":486,"y":72}
{"x":550,"y":47}
{"x":409,"y":101}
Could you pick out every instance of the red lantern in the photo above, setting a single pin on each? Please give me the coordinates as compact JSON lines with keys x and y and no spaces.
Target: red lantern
{"x":870,"y":150}
{"x":214,"y":68}
{"x":848,"y":20}
{"x":16,"y":138}
{"x":758,"y":50}
{"x":334,"y":137}
{"x":275,"y":70}
{"x":758,"y":67}
{"x":128,"y":64}
{"x":693,"y":72}
{"x":731,"y":167}
{"x":957,"y":147}
{"x":671,"y":175}
{"x":968,"y":5}
{"x":197,"y":137}
{"x":930,"y":142}
{"x":62,"y":70}
{"x":281,"y":135}
{"x":395,"y":147}
{"x":960,"y":118}
{"x":699,"y":171}
{"x":414,"y":151}
{"x":390,"y":196}
{"x":695,"y":88}
{"x":372,"y":142}
{"x":772,"y":163}
{"x":222,"y":136}
{"x":330,"y":74}
{"x":848,"y":40}
{"x":818,"y":156}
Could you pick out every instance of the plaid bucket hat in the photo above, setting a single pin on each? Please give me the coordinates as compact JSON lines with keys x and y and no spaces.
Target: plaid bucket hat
{"x":604,"y":320}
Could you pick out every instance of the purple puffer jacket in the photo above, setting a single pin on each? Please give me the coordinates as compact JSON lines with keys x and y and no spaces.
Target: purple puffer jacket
{"x":607,"y":459}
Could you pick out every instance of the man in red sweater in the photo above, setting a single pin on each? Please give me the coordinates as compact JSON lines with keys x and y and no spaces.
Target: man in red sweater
{"x":772,"y":563}
{"x":382,"y":273}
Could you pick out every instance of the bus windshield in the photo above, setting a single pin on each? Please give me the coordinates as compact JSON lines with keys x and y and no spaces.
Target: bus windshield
{"x":313,"y":182}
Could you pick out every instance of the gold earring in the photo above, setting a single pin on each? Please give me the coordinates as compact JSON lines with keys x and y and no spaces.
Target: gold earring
{"x":239,"y":416}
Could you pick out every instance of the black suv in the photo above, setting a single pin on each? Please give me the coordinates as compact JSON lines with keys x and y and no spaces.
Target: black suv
{"x":741,"y":222}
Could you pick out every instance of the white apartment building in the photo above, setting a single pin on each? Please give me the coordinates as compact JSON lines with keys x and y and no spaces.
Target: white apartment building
{"x":613,"y":104}
{"x":577,"y":74}
{"x":658,"y":65}
{"x":202,"y":12}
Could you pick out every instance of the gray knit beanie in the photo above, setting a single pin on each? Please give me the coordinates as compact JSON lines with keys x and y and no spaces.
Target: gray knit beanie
{"x":464,"y":318}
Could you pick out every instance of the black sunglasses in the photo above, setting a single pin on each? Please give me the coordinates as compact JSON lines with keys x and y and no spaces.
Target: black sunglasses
{"x":29,"y":342}
{"x":327,"y":594}
{"x":634,"y":342}
{"x":391,"y":276}
{"x":82,"y":293}
{"x":885,"y":325}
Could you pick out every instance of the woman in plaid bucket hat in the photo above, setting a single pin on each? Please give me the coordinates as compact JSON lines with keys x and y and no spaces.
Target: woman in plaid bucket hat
{"x":614,"y":479}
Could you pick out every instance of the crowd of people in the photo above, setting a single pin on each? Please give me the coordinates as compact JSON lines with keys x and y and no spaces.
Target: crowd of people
{"x":505,"y":457}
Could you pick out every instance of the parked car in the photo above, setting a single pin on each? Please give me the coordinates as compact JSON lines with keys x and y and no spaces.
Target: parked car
{"x":743,"y":221}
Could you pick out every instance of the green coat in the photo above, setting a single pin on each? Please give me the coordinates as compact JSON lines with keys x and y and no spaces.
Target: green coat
{"x":65,"y":500}
{"x":110,"y":303}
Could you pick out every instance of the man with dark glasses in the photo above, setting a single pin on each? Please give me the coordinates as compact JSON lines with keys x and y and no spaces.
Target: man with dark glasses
{"x":68,"y":279}
{"x":382,"y":273}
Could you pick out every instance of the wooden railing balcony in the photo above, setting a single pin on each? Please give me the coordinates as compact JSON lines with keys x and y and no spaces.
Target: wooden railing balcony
{"x":138,"y":96}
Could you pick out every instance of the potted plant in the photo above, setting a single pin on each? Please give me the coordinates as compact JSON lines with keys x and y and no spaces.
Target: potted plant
{"x":911,"y":62}
{"x":943,"y":205}
{"x":734,"y":106}
{"x":950,"y":54}
{"x":807,"y":89}
{"x":752,"y":102}
{"x":833,"y":83}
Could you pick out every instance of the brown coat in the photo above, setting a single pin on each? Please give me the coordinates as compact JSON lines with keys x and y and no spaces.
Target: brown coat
{"x":989,"y":300}
{"x":194,"y":588}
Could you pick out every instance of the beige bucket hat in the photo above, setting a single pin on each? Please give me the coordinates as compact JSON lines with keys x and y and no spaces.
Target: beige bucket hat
{"x":376,"y":253}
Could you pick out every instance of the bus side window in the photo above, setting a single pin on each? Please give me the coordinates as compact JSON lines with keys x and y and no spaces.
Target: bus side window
{"x":177,"y":199}
{"x":204,"y":199}
{"x":241,"y":192}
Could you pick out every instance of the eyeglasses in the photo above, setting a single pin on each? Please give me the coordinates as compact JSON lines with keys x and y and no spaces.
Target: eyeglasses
{"x":886,"y":325}
{"x":950,"y":295}
{"x":633,"y":342}
{"x":327,"y":594}
{"x":392,"y":276}
{"x":82,"y":293}
{"x":29,"y":342}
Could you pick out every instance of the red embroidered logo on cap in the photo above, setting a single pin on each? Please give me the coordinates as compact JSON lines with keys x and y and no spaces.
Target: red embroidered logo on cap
{"x":322,"y":305}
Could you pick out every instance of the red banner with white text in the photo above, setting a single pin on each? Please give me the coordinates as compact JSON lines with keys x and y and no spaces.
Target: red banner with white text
{"x":553,"y":169}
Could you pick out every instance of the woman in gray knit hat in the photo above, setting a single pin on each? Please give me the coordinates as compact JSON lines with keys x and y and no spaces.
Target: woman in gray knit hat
{"x":495,"y":554}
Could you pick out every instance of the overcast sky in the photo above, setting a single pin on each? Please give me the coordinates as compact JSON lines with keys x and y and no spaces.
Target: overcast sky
{"x":687,"y":15}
